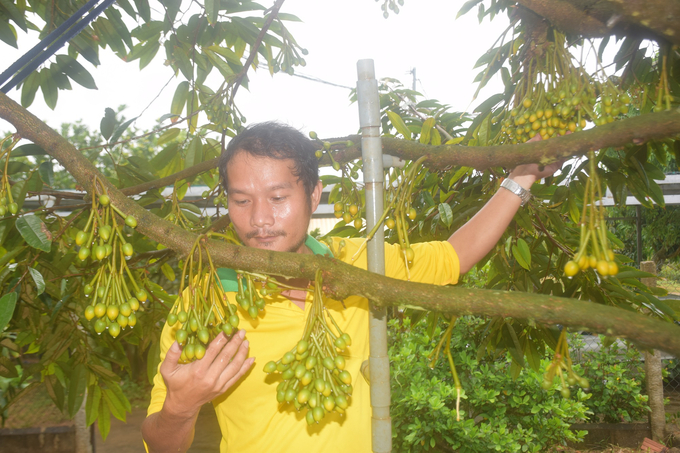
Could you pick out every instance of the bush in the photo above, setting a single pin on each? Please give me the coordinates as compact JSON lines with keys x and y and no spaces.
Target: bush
{"x":615,"y":374}
{"x":496,"y":412}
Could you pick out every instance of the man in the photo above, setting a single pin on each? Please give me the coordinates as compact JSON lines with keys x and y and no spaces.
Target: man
{"x":270,"y":173}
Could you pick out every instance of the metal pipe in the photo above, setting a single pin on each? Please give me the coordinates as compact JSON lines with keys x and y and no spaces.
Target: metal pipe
{"x":47,"y":40}
{"x":638,"y":228}
{"x":371,"y":151}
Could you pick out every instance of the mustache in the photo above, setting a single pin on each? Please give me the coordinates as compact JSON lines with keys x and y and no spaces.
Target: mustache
{"x":265,"y":233}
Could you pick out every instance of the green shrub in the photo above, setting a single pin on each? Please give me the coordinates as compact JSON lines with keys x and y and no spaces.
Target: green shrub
{"x":496,"y":412}
{"x":615,"y":374}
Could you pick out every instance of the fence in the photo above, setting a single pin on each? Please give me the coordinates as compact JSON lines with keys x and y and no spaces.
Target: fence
{"x":661,"y":371}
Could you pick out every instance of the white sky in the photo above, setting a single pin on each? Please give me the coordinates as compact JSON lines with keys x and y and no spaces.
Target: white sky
{"x":425,"y":35}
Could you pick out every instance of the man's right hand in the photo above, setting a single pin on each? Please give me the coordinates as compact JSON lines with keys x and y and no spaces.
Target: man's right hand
{"x":190,"y":386}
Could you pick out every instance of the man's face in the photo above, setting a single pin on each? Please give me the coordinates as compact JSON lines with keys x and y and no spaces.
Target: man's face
{"x":268,"y":204}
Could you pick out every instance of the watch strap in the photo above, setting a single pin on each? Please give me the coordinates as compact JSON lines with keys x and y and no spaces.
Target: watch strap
{"x":518,"y":190}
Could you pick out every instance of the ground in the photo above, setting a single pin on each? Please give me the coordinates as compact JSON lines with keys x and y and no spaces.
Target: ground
{"x":37,"y":409}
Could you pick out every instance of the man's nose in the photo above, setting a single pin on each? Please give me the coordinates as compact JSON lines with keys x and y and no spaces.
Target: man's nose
{"x":261,"y":215}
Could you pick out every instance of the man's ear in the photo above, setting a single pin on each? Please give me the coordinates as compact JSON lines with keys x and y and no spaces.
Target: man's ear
{"x":316,"y":195}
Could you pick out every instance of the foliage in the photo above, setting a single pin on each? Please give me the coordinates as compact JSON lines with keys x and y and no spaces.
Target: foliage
{"x":615,"y":373}
{"x":40,"y":271}
{"x":497,"y":412}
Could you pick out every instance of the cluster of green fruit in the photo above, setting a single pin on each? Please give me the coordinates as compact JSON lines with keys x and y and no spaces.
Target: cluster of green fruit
{"x":558,"y":98}
{"x":564,"y":108}
{"x":313,"y":372}
{"x":349,"y":212}
{"x":326,"y":148}
{"x":561,"y":366}
{"x":114,"y":302}
{"x":203,"y":310}
{"x":594,"y":251}
{"x":7,"y":203}
{"x":392,"y":6}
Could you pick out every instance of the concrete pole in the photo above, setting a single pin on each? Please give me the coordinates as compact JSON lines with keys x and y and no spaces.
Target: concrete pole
{"x":653,"y":373}
{"x":371,"y":149}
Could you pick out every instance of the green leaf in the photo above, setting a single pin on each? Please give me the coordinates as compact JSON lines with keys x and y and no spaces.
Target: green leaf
{"x":56,"y":390}
{"x":574,"y":211}
{"x":194,"y":154}
{"x":76,"y":391}
{"x":178,"y":100}
{"x":631,"y":272}
{"x":120,"y":129}
{"x":467,"y":6}
{"x":33,"y":230}
{"x":399,"y":125}
{"x":148,"y":30}
{"x":49,"y":88}
{"x":38,"y":279}
{"x":7,"y":368}
{"x":532,"y":355}
{"x":46,"y":172}
{"x":104,"y":419}
{"x":220,"y":64}
{"x":7,"y":34}
{"x":70,"y":66}
{"x":29,"y":88}
{"x":14,"y":13}
{"x":7,"y":304}
{"x":143,"y":9}
{"x":445,"y":214}
{"x":522,"y":253}
{"x":108,"y":123}
{"x":227,"y":53}
{"x":212,"y":8}
{"x":147,"y":53}
{"x":94,"y":396}
{"x":168,"y":272}
{"x":152,"y":360}
{"x":114,"y":404}
{"x":426,"y":130}
{"x":28,"y":149}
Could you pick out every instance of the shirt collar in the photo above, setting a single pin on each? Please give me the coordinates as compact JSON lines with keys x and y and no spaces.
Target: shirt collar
{"x":228,"y":276}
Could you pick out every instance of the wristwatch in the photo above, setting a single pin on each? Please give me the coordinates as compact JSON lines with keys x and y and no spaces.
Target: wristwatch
{"x":518,"y":190}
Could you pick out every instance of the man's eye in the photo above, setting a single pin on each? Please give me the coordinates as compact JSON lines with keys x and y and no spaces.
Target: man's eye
{"x":240,"y":202}
{"x":278,"y":199}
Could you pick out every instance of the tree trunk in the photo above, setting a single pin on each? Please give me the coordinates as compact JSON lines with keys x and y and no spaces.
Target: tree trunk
{"x":83,"y":437}
{"x":657,"y":416}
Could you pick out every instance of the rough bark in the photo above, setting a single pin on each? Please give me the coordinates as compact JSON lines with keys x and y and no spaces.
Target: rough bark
{"x":653,"y":373}
{"x":342,"y":280}
{"x":651,"y":19}
{"x":639,"y":129}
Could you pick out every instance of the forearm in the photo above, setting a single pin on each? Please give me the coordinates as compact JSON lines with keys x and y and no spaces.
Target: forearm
{"x":166,"y":432}
{"x":482,"y":232}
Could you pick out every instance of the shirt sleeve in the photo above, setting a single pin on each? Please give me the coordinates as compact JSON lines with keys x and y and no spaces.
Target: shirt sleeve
{"x":435,"y":262}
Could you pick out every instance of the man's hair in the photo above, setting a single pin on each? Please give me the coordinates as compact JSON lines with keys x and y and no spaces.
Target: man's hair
{"x":276,"y":141}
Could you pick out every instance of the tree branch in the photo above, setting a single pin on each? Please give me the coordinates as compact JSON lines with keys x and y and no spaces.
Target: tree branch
{"x":639,"y":129}
{"x":651,"y":19}
{"x":342,"y":280}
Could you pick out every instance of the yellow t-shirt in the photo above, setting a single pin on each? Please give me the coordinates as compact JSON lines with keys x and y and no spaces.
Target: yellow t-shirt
{"x":249,"y":416}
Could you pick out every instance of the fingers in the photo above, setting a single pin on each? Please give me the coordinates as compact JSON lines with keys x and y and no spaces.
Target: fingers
{"x":214,"y":348}
{"x":169,"y":365}
{"x":237,"y":368}
{"x":224,"y":356}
